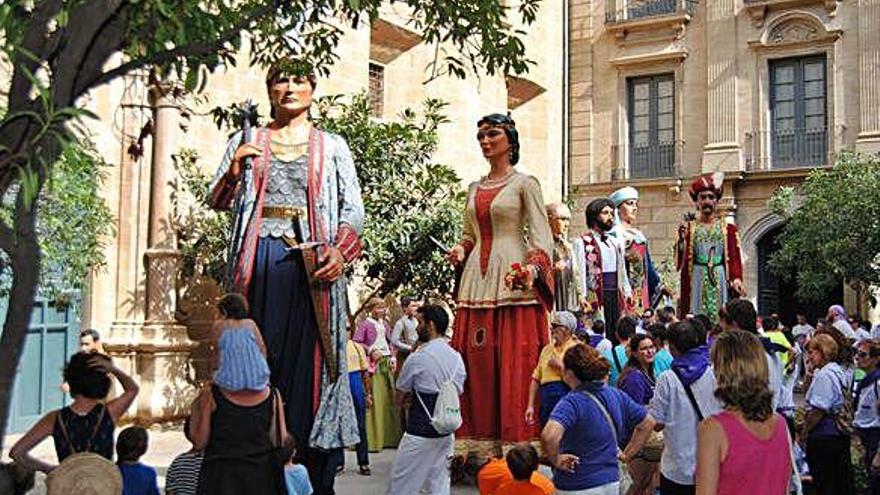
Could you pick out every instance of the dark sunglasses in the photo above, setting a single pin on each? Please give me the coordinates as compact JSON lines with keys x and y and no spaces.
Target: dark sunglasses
{"x":490,"y":133}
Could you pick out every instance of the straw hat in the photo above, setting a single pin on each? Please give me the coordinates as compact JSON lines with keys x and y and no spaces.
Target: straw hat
{"x":85,"y":474}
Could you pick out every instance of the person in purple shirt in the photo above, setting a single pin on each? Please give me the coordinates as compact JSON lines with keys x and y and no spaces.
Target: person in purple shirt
{"x":637,"y":381}
{"x":579,"y":439}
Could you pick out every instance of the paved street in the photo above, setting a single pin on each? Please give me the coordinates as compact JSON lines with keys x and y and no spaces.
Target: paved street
{"x":164,"y":445}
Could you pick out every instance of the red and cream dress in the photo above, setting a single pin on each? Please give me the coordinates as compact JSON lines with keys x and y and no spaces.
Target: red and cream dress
{"x":500,"y":331}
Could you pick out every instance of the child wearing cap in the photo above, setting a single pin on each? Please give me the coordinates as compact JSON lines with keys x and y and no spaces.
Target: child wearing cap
{"x":240,"y":348}
{"x":547,"y":377}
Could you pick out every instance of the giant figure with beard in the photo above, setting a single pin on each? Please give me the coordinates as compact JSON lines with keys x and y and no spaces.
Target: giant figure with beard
{"x":708,"y":253}
{"x":601,"y":258}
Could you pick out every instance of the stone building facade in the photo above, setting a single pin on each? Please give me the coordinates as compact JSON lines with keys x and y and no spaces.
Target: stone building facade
{"x":763,"y":90}
{"x":135,"y":303}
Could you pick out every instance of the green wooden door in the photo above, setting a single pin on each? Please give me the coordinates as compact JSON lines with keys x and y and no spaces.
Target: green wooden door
{"x":52,"y":337}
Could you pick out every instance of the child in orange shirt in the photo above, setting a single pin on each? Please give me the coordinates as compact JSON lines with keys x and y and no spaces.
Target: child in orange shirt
{"x":514,"y":475}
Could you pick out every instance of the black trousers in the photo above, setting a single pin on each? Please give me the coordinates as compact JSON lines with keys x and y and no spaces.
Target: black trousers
{"x":870,"y":440}
{"x":669,"y":487}
{"x":831,"y":465}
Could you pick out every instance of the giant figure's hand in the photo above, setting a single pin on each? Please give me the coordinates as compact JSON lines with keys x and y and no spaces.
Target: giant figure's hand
{"x":332,"y":265}
{"x":682,"y":231}
{"x":244,"y":151}
{"x":455,"y":256}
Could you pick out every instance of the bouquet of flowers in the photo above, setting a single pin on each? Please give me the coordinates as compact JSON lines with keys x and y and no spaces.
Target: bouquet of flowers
{"x":517,"y":277}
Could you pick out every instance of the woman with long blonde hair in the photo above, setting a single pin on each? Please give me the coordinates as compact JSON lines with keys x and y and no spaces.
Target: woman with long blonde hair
{"x":745,"y":448}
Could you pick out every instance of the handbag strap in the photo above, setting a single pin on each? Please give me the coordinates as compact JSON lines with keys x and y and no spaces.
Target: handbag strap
{"x":94,"y":430}
{"x":605,"y":413}
{"x":690,"y":395}
{"x":416,"y":392}
{"x":616,"y":359}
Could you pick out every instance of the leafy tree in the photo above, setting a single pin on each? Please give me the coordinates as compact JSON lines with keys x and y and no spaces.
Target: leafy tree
{"x":202,"y":233}
{"x":55,"y":51}
{"x":833,"y":227}
{"x":407,"y":198}
{"x":73,"y":225}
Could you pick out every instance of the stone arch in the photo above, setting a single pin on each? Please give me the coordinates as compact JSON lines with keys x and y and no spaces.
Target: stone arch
{"x":760,"y":228}
{"x":795,"y":27}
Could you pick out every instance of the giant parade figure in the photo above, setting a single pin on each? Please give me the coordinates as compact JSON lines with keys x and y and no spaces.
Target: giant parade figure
{"x":643,"y":278}
{"x":708,"y":253}
{"x":505,"y":291}
{"x":601,"y":259}
{"x":297,"y":215}
{"x":565,"y":274}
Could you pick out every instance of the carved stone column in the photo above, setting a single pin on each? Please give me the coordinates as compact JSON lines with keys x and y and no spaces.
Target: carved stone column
{"x":722,"y":151}
{"x":868,"y":139}
{"x":162,"y":346}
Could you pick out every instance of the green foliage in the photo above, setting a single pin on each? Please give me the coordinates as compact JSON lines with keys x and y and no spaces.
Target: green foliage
{"x":202,"y":233}
{"x":73,"y":223}
{"x":407,"y":197}
{"x":834,"y":235}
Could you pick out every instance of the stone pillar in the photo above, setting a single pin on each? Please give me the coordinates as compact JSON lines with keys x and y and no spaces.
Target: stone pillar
{"x":868,"y":140}
{"x":722,"y":151}
{"x":162,"y":346}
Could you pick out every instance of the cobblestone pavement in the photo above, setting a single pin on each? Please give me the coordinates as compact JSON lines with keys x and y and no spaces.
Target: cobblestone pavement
{"x":165,"y":445}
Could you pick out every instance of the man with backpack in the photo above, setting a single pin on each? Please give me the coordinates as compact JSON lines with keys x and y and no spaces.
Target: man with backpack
{"x":684,"y":395}
{"x":432,"y":378}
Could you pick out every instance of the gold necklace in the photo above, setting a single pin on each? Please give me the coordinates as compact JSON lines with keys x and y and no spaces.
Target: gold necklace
{"x":287,"y":150}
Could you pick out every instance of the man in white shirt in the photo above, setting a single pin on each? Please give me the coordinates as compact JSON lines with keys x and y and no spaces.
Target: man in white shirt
{"x":404,"y":335}
{"x":678,"y":415}
{"x":740,"y":314}
{"x":802,"y":327}
{"x":422,"y":461}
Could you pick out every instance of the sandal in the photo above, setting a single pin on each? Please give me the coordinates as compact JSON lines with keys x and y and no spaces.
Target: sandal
{"x":364,"y":470}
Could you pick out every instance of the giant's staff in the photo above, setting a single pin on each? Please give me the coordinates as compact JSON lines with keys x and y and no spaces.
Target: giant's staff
{"x":247,"y":116}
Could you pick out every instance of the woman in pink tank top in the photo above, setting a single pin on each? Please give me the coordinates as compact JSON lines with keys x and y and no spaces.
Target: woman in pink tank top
{"x":744,"y":449}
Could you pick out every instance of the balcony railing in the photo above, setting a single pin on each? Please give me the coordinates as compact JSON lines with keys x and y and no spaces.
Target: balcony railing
{"x":646,"y":162}
{"x":642,"y":9}
{"x":786,"y":148}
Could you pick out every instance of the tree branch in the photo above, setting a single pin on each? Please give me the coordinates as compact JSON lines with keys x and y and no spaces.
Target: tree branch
{"x":192,"y":50}
{"x":89,"y":19}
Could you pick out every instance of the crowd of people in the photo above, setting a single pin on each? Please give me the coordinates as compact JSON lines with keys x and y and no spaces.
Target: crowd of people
{"x":567,"y":340}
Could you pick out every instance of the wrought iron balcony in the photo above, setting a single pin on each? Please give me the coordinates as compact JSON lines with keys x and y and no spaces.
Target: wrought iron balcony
{"x":767,"y":149}
{"x":650,"y":161}
{"x":644,"y":9}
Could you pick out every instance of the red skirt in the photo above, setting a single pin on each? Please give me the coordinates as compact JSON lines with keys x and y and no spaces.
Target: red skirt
{"x":500,"y":348}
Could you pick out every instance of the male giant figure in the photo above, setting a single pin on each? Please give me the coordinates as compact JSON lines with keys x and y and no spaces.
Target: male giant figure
{"x":301,"y":194}
{"x":708,"y":253}
{"x":600,"y":257}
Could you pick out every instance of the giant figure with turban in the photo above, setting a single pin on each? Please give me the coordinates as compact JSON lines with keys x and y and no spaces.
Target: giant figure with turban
{"x":708,"y":253}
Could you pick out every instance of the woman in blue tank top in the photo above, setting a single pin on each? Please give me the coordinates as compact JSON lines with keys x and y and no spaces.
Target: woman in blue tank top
{"x":241,"y":352}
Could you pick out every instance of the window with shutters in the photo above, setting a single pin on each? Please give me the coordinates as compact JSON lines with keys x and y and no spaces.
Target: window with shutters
{"x":651,"y":113}
{"x":798,"y":116}
{"x":376,"y":93}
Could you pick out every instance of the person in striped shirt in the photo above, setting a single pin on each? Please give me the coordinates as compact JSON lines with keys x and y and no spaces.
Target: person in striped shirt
{"x":182,"y":477}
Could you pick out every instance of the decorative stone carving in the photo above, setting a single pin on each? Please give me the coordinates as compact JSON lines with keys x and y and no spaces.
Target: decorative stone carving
{"x":793,"y":31}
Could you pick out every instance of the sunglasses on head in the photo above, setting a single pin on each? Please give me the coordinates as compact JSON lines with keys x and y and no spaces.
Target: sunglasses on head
{"x":489,"y":133}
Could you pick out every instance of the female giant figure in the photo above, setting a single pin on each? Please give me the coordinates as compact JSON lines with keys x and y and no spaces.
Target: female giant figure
{"x":500,"y":327}
{"x":300,"y":211}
